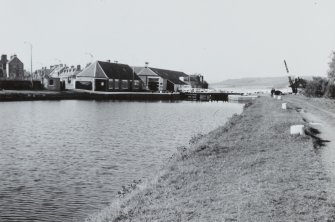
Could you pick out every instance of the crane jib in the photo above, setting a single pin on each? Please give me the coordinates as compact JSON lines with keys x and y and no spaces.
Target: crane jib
{"x":286,"y":66}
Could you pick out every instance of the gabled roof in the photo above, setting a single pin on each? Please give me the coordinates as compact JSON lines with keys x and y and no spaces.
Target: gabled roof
{"x":56,"y":71}
{"x":144,"y":71}
{"x":45,"y":73}
{"x":100,"y":69}
{"x":172,"y":76}
{"x":14,"y":57}
{"x":69,"y":72}
{"x":94,"y":70}
{"x":118,"y":71}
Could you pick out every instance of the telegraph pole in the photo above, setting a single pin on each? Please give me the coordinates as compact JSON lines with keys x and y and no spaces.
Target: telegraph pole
{"x":31,"y":61}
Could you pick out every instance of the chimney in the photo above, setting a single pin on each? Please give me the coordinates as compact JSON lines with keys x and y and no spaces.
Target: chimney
{"x":146,"y":64}
{"x":72,"y":67}
{"x":3,"y":58}
{"x":115,"y":61}
{"x":78,"y":68}
{"x":4,"y":61}
{"x":108,"y":60}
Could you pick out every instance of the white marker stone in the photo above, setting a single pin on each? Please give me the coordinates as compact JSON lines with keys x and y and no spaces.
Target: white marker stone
{"x":297,"y":130}
{"x":284,"y":105}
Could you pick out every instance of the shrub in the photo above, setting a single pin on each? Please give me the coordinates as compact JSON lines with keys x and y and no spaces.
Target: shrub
{"x":330,"y":91}
{"x":316,"y":87}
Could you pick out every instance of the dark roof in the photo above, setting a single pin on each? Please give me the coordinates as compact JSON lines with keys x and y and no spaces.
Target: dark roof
{"x":104,"y":70}
{"x":172,"y":76}
{"x":14,"y":58}
{"x":118,"y":71}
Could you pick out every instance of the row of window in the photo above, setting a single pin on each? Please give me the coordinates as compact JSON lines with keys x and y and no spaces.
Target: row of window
{"x":115,"y":84}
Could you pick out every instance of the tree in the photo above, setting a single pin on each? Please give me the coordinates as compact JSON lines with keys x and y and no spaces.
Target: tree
{"x":297,"y":83}
{"x":316,"y":87}
{"x":330,"y":90}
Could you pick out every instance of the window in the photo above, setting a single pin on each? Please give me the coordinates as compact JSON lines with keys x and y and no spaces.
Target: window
{"x":116,"y":84}
{"x":124,"y":84}
{"x":51,"y":82}
{"x":110,"y":84}
{"x":136,"y":84}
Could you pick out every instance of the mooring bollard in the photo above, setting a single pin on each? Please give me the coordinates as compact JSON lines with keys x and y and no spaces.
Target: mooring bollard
{"x":284,"y":106}
{"x":279,"y":97}
{"x":297,"y":130}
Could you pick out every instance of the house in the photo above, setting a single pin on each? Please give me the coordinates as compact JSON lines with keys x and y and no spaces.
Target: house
{"x":15,"y":68}
{"x":196,"y":81}
{"x":59,"y":77}
{"x":107,"y":76}
{"x":68,"y":76}
{"x":156,"y":79}
{"x":42,"y":73}
{"x":152,"y":81}
{"x":52,"y":80}
{"x":11,"y":69}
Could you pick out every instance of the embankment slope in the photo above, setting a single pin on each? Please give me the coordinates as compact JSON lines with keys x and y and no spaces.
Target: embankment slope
{"x":251,"y":169}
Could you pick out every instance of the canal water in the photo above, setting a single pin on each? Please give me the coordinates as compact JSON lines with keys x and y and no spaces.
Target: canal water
{"x":64,"y":160}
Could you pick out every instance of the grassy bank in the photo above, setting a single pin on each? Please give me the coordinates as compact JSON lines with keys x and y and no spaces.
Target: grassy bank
{"x":251,"y":169}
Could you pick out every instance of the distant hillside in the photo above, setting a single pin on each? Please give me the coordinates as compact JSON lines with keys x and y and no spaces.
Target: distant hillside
{"x":256,"y":82}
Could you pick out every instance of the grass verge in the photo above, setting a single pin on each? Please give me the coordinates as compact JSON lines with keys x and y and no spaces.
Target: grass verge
{"x":251,"y":169}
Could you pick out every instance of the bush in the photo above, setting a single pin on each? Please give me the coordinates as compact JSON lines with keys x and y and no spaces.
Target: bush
{"x":330,"y":91}
{"x":316,"y":87}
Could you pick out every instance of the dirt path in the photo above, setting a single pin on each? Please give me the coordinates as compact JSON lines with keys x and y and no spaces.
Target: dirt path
{"x":321,"y":114}
{"x":311,"y":105}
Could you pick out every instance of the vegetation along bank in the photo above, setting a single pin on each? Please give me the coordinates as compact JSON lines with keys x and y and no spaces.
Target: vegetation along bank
{"x":251,"y":169}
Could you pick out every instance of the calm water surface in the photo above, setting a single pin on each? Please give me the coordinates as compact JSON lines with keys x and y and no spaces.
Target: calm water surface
{"x":64,"y":160}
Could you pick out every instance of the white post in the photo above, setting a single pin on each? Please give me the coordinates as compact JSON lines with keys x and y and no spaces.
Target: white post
{"x":284,"y":106}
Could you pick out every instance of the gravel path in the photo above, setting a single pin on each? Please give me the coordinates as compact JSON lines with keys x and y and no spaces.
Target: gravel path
{"x":322,"y":112}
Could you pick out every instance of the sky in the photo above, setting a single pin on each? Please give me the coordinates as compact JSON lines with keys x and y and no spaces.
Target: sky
{"x":221,"y":39}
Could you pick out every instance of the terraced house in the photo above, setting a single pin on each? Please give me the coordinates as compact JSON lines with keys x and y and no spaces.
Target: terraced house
{"x":108,"y":76}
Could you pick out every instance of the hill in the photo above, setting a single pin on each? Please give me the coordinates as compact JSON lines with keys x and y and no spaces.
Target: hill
{"x":255,"y":82}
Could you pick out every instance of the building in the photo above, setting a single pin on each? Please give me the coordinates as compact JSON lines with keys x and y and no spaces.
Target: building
{"x":58,"y":77}
{"x":150,"y":79}
{"x":12,"y":68}
{"x":15,"y":68}
{"x":51,"y":79}
{"x":156,"y":79}
{"x":196,"y":81}
{"x":42,"y":73}
{"x":67,"y":75}
{"x":107,"y":76}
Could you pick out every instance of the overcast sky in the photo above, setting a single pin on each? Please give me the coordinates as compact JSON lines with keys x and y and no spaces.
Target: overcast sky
{"x":221,"y":39}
